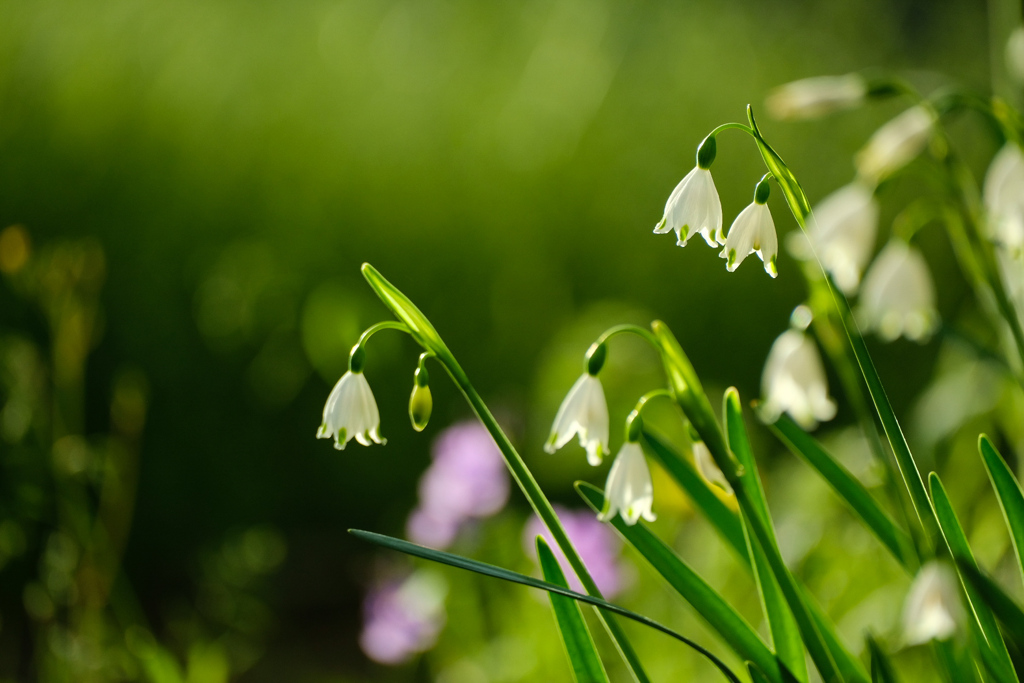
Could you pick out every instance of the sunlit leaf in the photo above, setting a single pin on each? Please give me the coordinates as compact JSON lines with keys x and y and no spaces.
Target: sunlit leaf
{"x":579,"y":645}
{"x":881,"y":667}
{"x":1008,"y":491}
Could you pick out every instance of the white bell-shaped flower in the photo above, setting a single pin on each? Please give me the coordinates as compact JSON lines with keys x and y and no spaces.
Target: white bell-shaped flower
{"x":629,"y":490}
{"x":842,"y":231}
{"x":584,"y":411}
{"x":694,"y":207}
{"x":932,"y":610}
{"x":753,"y":232}
{"x":1015,"y":55}
{"x":707,"y":467}
{"x":351,"y":413}
{"x":895,"y":144}
{"x":1004,"y":198}
{"x":810,"y":98}
{"x":898,"y":297}
{"x":794,"y":382}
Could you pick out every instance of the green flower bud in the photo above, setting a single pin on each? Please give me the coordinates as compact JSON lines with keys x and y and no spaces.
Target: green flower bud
{"x":706,"y":152}
{"x":357,"y":358}
{"x":596,"y":355}
{"x":421,"y":403}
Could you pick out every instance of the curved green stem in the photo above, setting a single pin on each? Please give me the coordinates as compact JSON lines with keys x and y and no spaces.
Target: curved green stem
{"x":732,"y":126}
{"x":642,"y":401}
{"x":377,"y":327}
{"x":641,"y":332}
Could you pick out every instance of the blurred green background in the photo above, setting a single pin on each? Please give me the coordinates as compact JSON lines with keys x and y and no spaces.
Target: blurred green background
{"x":503,"y":163}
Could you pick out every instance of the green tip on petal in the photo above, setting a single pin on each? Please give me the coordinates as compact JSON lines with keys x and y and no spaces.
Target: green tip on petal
{"x":770,"y":268}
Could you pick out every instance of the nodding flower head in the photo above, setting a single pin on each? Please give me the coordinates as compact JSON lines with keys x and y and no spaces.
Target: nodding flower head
{"x":753,"y":232}
{"x":810,"y":98}
{"x":898,"y":298}
{"x":895,"y":144}
{"x":584,"y":411}
{"x":932,"y":610}
{"x":794,"y":381}
{"x":1004,"y":198}
{"x":694,"y":206}
{"x":629,"y":490}
{"x":842,"y":232}
{"x":351,"y":413}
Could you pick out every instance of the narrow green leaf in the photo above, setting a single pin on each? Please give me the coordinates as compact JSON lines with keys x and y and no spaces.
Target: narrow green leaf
{"x":1008,"y":491}
{"x":881,"y":667}
{"x":725,"y":521}
{"x":579,"y":645}
{"x":459,"y":562}
{"x":849,"y":666}
{"x":711,"y":606}
{"x":756,"y":675}
{"x":783,"y":627}
{"x":1003,"y":606}
{"x":956,"y":540}
{"x":844,"y":484}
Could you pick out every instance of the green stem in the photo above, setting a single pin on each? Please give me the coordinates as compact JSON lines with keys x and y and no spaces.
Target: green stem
{"x":641,"y":332}
{"x":377,"y":327}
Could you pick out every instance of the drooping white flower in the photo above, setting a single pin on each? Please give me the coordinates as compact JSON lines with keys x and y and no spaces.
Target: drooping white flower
{"x":932,"y":610}
{"x":1004,"y":198}
{"x":629,"y":489}
{"x":694,"y":207}
{"x":351,"y":413}
{"x":810,"y":98}
{"x":707,"y":467}
{"x":842,"y":231}
{"x":898,"y":298}
{"x":895,"y":144}
{"x":753,"y":232}
{"x":794,"y":382}
{"x":584,"y":411}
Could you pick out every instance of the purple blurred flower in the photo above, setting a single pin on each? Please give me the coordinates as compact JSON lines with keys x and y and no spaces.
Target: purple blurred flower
{"x":467,"y":480}
{"x":596,"y":543}
{"x":402,"y":618}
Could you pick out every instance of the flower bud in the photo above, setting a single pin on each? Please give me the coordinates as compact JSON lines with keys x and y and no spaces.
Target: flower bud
{"x":421,"y":402}
{"x":706,"y":152}
{"x":762,"y":191}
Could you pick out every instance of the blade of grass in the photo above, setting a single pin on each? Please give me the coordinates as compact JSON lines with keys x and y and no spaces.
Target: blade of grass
{"x":783,"y":628}
{"x":881,"y":667}
{"x":956,"y":541}
{"x":711,"y":606}
{"x":725,"y":521}
{"x":1008,"y":491}
{"x":1003,"y":606}
{"x":579,"y":645}
{"x":460,"y":562}
{"x":844,"y":484}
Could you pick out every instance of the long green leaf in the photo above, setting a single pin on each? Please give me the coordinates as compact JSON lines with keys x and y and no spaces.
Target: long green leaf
{"x":711,"y":606}
{"x":756,"y":675}
{"x":459,"y":562}
{"x":1008,"y":491}
{"x":784,"y":630}
{"x":725,"y":521}
{"x":1003,"y":606}
{"x":579,"y":645}
{"x":844,"y":484}
{"x":956,"y":540}
{"x":881,"y":667}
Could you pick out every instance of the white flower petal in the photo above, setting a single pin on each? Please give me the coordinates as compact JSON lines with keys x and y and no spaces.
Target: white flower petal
{"x":753,"y":231}
{"x":1004,"y":198}
{"x":932,"y":609}
{"x":794,"y":381}
{"x":629,"y":490}
{"x":898,"y":298}
{"x":693,"y":207}
{"x":842,"y":232}
{"x":895,"y":144}
{"x":584,"y":411}
{"x":351,"y":413}
{"x":707,"y":467}
{"x":813,"y":97}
